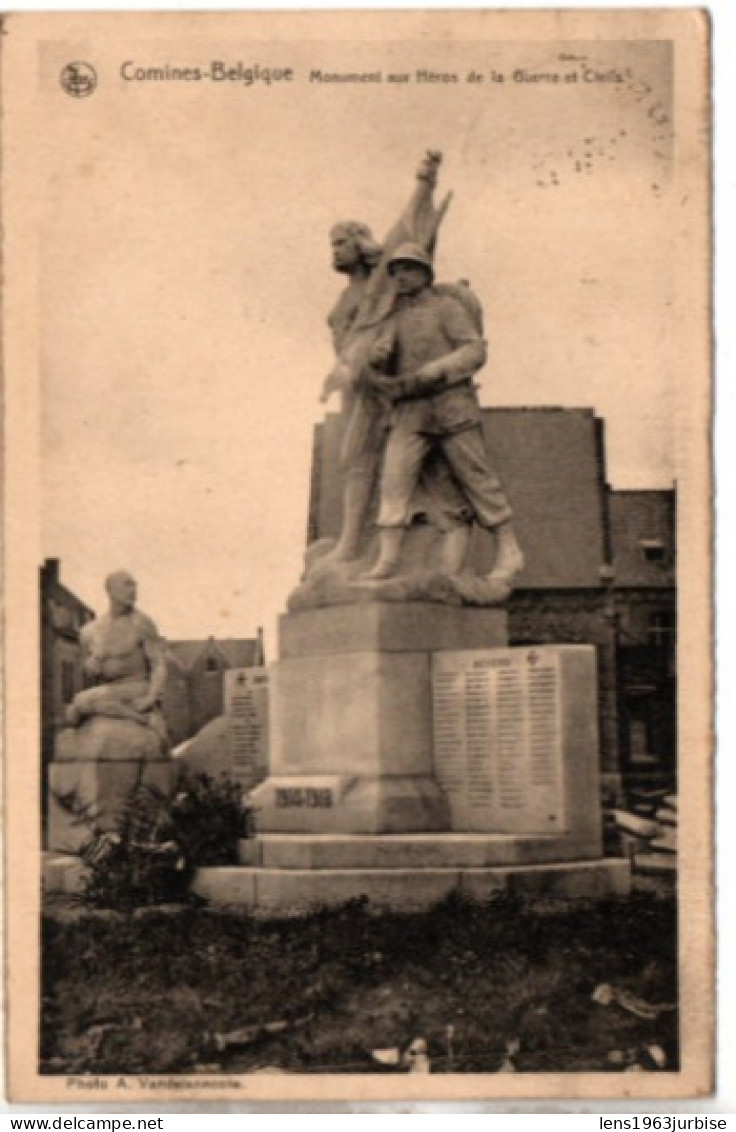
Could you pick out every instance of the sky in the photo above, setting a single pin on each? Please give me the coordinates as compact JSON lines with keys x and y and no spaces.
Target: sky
{"x":185,"y":282}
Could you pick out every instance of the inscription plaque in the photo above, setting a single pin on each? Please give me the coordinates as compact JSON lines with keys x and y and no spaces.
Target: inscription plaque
{"x":296,"y":796}
{"x":246,"y":710}
{"x":498,"y":742}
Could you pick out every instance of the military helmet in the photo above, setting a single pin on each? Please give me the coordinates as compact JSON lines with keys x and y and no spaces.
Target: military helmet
{"x":411,"y":253}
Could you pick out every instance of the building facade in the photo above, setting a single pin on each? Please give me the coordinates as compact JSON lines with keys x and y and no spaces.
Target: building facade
{"x":62,"y":615}
{"x":643,"y":530}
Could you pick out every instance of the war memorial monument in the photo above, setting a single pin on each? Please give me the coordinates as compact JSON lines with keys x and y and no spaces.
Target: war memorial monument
{"x":410,"y":751}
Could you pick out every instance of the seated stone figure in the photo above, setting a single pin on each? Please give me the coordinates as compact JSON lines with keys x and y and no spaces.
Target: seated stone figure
{"x":125,"y":655}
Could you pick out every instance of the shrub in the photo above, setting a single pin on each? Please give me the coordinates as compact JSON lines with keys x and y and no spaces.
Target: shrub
{"x":157,"y":842}
{"x":209,"y":818}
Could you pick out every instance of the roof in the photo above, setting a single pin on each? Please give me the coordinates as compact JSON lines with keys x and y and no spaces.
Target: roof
{"x":551,"y":462}
{"x":643,"y":538}
{"x":245,"y":653}
{"x":52,"y":589}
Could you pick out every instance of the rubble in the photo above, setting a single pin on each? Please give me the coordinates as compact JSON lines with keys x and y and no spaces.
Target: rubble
{"x":648,"y":831}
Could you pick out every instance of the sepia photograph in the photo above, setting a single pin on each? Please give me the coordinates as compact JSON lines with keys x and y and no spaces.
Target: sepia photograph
{"x":358,"y":646}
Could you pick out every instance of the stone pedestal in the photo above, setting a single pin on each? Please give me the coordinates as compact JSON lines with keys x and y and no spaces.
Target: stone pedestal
{"x":246,"y":712}
{"x":351,"y":717}
{"x":102,"y":785}
{"x":104,"y":739}
{"x":414,"y":754}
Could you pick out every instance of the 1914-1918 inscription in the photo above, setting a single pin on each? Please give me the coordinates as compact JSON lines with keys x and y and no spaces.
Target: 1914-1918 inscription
{"x":498,"y":745}
{"x":297,"y":796}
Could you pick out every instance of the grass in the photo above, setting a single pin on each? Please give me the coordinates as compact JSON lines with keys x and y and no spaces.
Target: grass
{"x":203,"y":990}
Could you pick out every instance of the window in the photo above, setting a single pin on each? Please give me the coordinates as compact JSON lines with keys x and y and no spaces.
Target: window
{"x":653,"y":550}
{"x":661,"y":627}
{"x":211,"y":665}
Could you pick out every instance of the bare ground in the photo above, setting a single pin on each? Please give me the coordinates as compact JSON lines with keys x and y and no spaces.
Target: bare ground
{"x":501,"y":986}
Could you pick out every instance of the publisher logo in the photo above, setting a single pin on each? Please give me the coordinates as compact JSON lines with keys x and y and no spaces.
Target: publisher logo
{"x":78,"y":79}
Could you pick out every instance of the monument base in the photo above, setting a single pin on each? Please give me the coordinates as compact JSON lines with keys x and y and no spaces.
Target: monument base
{"x":412,"y":851}
{"x":351,"y":717}
{"x":102,"y":788}
{"x":350,"y":803}
{"x":299,"y":891}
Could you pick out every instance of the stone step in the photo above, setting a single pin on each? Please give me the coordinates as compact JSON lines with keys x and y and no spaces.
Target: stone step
{"x":299,"y":891}
{"x":402,"y":851}
{"x":667,"y":816}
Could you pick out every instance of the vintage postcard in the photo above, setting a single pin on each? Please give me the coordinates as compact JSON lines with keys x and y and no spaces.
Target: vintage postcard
{"x":357,"y":413}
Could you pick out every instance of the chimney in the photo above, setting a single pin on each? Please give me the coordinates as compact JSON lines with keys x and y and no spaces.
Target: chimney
{"x":50,"y":571}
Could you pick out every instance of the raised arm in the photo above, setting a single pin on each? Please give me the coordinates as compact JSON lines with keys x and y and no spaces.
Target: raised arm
{"x":418,"y":224}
